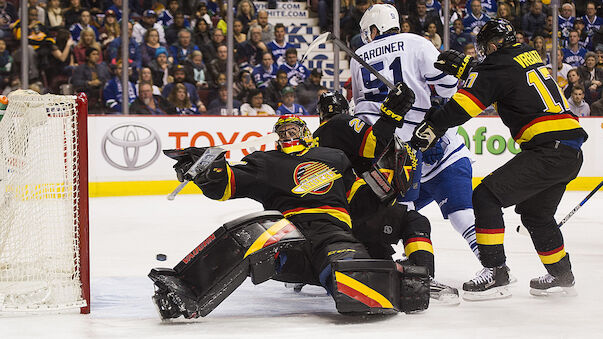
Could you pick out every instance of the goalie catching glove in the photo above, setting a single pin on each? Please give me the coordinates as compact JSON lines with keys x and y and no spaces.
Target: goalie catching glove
{"x":455,"y":63}
{"x":398,"y":102}
{"x":199,"y":164}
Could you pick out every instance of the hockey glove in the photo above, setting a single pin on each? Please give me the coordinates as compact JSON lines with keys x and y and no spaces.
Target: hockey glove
{"x":397,"y":103}
{"x":434,"y":154}
{"x":425,"y":136}
{"x":203,"y":172}
{"x":455,"y":63}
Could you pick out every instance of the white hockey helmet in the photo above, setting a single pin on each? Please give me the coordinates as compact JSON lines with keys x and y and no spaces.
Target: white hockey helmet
{"x":384,"y":17}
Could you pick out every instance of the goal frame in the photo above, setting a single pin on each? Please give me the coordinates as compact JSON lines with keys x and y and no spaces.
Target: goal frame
{"x":84,"y":232}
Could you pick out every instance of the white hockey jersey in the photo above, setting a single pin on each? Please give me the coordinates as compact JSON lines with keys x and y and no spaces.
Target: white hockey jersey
{"x":409,"y":58}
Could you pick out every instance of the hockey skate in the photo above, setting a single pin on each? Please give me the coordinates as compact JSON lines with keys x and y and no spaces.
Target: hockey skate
{"x":297,"y":287}
{"x":443,"y":294}
{"x":490,"y":283}
{"x":548,"y":285}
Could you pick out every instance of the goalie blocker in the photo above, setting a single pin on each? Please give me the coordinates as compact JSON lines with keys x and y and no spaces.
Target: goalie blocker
{"x":250,"y":246}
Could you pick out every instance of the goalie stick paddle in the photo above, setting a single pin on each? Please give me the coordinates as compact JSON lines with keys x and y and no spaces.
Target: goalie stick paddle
{"x":522,"y":230}
{"x":272,"y":137}
{"x":329,"y":37}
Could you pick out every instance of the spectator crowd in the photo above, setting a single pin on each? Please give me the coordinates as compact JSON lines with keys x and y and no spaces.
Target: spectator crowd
{"x":177,"y":50}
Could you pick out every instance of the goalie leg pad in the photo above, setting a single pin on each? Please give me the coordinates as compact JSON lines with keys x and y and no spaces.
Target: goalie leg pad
{"x":243,"y":247}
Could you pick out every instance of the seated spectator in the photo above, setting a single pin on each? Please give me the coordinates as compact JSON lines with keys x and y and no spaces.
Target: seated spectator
{"x":573,"y":79}
{"x":84,"y":23}
{"x":274,"y":88}
{"x":249,"y":53}
{"x":243,"y":85}
{"x":599,"y":52}
{"x":306,"y":92}
{"x":146,"y":75}
{"x":40,"y":10}
{"x":566,"y":20}
{"x":160,"y":68}
{"x":179,"y":98}
{"x":237,"y":31}
{"x":8,"y":15}
{"x":179,"y":75}
{"x":256,"y":105}
{"x":110,"y":29}
{"x":289,"y":106}
{"x":422,"y":18}
{"x":36,"y":31}
{"x":114,"y":49}
{"x":149,"y":103}
{"x":72,"y":13}
{"x":246,"y":13}
{"x":116,"y":6}
{"x":279,"y":46}
{"x":87,"y":40}
{"x":577,"y":104}
{"x":218,"y":105}
{"x":470,"y":50}
{"x":210,"y":51}
{"x":433,"y":36}
{"x":520,"y":37}
{"x":264,"y":72}
{"x":562,"y":70}
{"x":90,"y":77}
{"x":593,"y":23}
{"x":113,"y":92}
{"x":475,"y":19}
{"x":596,"y":109}
{"x":506,"y":12}
{"x":201,"y":35}
{"x":54,"y":15}
{"x":149,"y":20}
{"x":322,"y":90}
{"x":539,"y":45}
{"x":183,"y":47}
{"x":6,"y":65}
{"x":149,"y":48}
{"x":266,"y":29}
{"x":534,"y":21}
{"x":296,"y":72}
{"x":574,"y":53}
{"x":592,"y":77}
{"x":220,"y":80}
{"x":196,"y":72}
{"x":61,"y":61}
{"x":202,"y":14}
{"x":168,"y":16}
{"x":458,"y":37}
{"x":172,"y":31}
{"x":218,"y":65}
{"x":405,"y":26}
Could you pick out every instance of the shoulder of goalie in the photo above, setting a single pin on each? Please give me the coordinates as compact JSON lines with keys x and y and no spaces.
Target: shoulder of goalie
{"x":371,"y":286}
{"x":247,"y":246}
{"x":199,"y":164}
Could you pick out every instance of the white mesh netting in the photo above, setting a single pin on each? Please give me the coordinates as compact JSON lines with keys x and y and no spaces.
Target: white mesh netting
{"x":39,"y":249}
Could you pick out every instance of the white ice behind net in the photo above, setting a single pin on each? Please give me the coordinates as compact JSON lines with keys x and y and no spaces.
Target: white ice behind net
{"x":39,"y":250}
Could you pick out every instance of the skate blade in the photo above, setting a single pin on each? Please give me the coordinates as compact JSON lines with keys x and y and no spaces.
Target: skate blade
{"x":500,"y":292}
{"x":512,"y":279}
{"x":445,"y":299}
{"x":557,"y":291}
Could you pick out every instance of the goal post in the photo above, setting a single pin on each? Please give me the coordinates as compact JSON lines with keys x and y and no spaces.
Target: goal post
{"x":44,"y":239}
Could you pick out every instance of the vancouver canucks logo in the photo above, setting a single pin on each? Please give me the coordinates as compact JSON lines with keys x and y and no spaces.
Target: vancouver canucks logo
{"x":314,"y":178}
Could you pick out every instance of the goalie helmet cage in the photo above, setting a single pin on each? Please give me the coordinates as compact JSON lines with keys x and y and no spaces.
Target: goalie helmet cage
{"x":44,"y":245}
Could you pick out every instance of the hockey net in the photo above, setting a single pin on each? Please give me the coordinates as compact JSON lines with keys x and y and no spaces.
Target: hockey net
{"x":44,"y":204}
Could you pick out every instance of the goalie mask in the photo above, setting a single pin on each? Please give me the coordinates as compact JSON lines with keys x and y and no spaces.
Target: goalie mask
{"x":393,"y":172}
{"x":293,"y":134}
{"x":331,"y":104}
{"x":383,"y":17}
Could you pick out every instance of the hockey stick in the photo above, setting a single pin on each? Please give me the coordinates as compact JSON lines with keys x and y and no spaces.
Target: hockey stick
{"x":329,"y":37}
{"x":522,"y":230}
{"x":193,"y":171}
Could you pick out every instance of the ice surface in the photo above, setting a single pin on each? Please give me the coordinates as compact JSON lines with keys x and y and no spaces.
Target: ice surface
{"x":128,"y":232}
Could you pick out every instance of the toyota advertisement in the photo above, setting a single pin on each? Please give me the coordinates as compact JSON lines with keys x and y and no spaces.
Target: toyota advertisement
{"x":125,"y":152}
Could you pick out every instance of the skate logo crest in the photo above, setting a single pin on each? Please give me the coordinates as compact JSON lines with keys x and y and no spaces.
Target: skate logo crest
{"x":313,"y":178}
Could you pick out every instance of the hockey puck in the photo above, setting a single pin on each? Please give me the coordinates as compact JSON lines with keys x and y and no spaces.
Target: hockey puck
{"x":161,"y":257}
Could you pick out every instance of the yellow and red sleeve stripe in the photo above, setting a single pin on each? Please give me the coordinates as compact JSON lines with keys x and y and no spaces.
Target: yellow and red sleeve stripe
{"x":230,"y":184}
{"x":549,"y":123}
{"x":553,"y":256}
{"x":359,"y":291}
{"x":369,"y":142}
{"x":355,"y":186}
{"x":272,"y":235}
{"x":336,"y":212}
{"x":487,"y":236}
{"x":468,"y":102}
{"x":417,"y":244}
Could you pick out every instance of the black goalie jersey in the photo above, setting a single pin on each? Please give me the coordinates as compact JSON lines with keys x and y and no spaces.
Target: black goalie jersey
{"x":528,"y":100}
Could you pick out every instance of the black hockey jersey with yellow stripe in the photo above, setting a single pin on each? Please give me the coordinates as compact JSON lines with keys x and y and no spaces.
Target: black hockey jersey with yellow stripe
{"x":310,"y":185}
{"x":528,"y":100}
